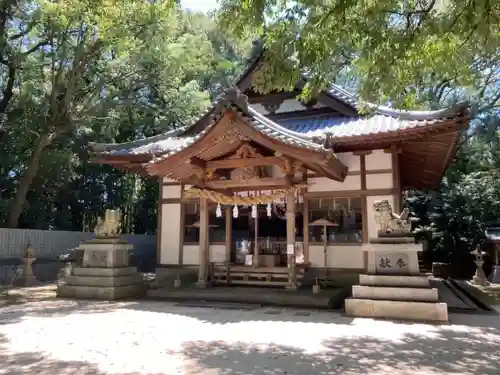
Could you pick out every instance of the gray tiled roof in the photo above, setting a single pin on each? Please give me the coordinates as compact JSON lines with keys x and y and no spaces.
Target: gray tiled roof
{"x":258,"y":121}
{"x":298,"y":132}
{"x":151,"y":145}
{"x":340,"y":127}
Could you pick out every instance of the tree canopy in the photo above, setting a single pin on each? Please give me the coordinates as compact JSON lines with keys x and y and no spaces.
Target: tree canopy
{"x":396,"y":48}
{"x":96,"y":70}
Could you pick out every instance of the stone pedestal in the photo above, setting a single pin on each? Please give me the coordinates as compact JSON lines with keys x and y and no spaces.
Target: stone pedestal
{"x":392,"y":256}
{"x":105,"y":273}
{"x":393,"y":287}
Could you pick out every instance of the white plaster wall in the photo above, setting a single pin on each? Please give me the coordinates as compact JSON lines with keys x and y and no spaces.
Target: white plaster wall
{"x":372,"y":225}
{"x":351,"y":161}
{"x":289,"y":105}
{"x":170,"y":233}
{"x":338,"y":256}
{"x":325,"y":184}
{"x":378,"y":159}
{"x":171,"y":191}
{"x":217,"y":253}
{"x":379,"y":181}
{"x":190,"y":254}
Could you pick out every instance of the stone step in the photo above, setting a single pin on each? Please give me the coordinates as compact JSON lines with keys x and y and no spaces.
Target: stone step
{"x":395,"y":294}
{"x":103,"y":281}
{"x":104,"y":272}
{"x":395,"y":281}
{"x":403,"y":310}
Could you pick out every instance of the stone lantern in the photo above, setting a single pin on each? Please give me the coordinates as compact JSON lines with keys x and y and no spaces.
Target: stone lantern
{"x":479,"y":277}
{"x":28,"y":278}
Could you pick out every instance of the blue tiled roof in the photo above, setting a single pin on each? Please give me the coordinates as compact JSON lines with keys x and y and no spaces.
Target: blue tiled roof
{"x":340,"y":127}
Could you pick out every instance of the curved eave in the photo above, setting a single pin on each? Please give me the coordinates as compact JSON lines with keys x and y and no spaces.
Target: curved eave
{"x":458,"y":109}
{"x":372,"y":140}
{"x":114,"y":148}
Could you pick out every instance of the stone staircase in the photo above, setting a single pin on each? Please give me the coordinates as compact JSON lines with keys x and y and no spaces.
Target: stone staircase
{"x":396,"y":297}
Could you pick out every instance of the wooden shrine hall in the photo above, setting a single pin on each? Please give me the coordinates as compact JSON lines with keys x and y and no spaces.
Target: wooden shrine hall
{"x":264,"y":187}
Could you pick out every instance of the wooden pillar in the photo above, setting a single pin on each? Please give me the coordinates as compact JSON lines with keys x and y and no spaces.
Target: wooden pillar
{"x":203,"y":249}
{"x":396,"y":182}
{"x":256,"y":257}
{"x":290,"y":240}
{"x":229,"y":228}
{"x":364,"y":199}
{"x":159,"y":221}
{"x":305,"y":215}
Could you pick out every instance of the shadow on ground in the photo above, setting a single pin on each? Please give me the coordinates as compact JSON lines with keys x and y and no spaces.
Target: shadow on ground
{"x":469,"y":346}
{"x":38,"y":363}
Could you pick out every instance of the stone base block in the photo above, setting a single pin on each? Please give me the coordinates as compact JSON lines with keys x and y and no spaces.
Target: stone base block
{"x":395,"y":281}
{"x":100,"y":293}
{"x":395,"y":294}
{"x":106,"y":254}
{"x":404,"y":310}
{"x":104,"y":272}
{"x":103,"y":281}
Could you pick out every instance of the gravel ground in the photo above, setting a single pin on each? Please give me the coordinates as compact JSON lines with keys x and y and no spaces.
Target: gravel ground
{"x":51,"y":337}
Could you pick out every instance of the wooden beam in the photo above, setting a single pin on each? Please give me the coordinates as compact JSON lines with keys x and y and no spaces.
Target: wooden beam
{"x":195,"y":161}
{"x":362,"y":152}
{"x":268,"y":182}
{"x":245,"y":163}
{"x":349,"y":193}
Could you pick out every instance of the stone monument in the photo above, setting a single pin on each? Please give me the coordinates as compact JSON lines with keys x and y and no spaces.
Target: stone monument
{"x":27,"y":278}
{"x":105,"y":272}
{"x":393,"y":286}
{"x":480,"y":277}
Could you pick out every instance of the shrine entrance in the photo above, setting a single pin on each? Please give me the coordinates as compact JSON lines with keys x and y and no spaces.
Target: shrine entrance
{"x":257,"y":236}
{"x":256,"y":172}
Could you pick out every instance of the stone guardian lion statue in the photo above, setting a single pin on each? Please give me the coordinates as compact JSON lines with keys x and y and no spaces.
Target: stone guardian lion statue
{"x":388,"y":221}
{"x":110,"y":226}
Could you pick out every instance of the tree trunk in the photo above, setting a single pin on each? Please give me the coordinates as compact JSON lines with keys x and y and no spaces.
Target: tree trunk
{"x":26,"y":180}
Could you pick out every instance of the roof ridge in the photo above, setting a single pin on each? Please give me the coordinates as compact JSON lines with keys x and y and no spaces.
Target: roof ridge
{"x":420,"y":115}
{"x":103,"y":147}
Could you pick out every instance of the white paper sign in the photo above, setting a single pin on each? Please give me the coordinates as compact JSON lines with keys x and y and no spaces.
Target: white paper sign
{"x":290,"y":249}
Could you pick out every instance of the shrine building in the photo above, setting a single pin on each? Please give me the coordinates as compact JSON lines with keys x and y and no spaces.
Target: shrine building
{"x":262,"y":188}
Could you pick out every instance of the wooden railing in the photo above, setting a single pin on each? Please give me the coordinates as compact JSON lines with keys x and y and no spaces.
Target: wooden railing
{"x":227,"y":274}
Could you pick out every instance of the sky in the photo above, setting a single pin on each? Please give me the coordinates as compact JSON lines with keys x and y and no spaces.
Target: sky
{"x":200,"y":5}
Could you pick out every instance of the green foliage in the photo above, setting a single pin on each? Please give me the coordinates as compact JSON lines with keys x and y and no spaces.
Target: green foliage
{"x":455,"y":217}
{"x":100,"y":71}
{"x":393,"y":46}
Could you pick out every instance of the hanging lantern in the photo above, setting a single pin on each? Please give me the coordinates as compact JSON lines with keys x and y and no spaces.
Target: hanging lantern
{"x":235,"y":211}
{"x":269,"y":209}
{"x":218,"y":211}
{"x":254,"y":211}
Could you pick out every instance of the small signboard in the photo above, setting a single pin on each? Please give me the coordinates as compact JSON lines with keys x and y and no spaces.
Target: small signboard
{"x":392,"y":263}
